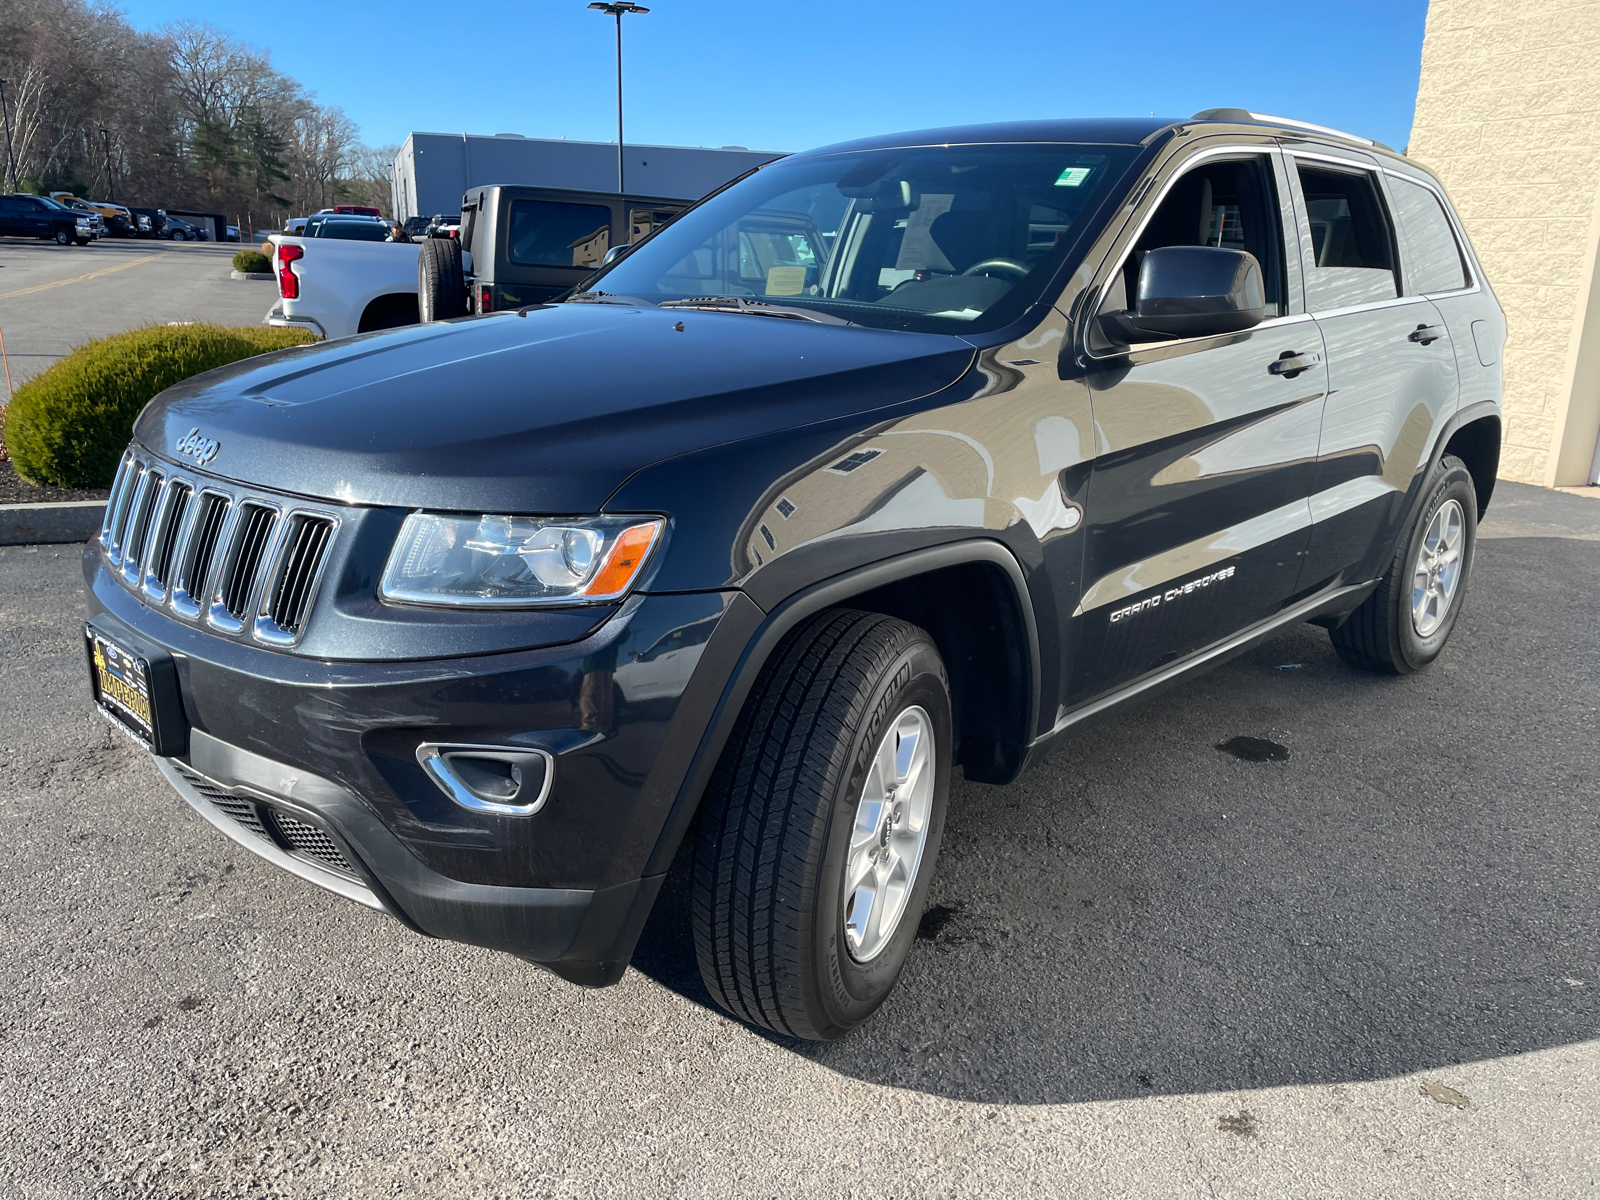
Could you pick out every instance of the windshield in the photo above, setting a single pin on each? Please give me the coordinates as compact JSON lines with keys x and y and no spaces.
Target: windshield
{"x":942,"y":239}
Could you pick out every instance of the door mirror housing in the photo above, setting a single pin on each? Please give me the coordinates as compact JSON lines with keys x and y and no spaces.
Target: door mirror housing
{"x":615,"y":253}
{"x":1191,"y":291}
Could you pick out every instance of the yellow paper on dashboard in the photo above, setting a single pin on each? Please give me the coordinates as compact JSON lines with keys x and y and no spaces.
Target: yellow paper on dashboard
{"x":785,"y":281}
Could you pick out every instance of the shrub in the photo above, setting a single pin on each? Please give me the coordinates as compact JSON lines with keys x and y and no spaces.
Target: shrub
{"x":68,"y":425}
{"x":251,"y":262}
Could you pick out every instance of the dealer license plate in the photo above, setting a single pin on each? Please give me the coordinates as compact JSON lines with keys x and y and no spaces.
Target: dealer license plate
{"x":121,"y":684}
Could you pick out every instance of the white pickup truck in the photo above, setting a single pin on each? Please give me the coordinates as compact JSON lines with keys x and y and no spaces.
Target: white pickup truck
{"x":335,"y":287}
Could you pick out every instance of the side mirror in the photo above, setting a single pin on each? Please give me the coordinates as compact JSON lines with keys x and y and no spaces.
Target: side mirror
{"x":615,"y":253}
{"x":1191,"y":291}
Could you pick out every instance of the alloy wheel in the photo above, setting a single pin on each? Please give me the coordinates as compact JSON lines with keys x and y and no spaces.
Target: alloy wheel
{"x":889,"y":834}
{"x":1437,"y":574}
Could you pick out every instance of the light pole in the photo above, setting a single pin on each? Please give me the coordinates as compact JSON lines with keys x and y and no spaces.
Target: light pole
{"x":616,"y":9}
{"x":16,"y":180}
{"x":105,"y":140}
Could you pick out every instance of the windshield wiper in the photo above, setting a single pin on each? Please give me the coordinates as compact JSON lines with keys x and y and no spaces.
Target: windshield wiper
{"x":606,"y":298}
{"x":760,"y":308}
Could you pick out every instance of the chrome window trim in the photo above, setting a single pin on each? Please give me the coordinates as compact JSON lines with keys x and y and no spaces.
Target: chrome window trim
{"x":264,"y":628}
{"x":1152,"y":202}
{"x":430,"y":757}
{"x":1375,"y":168}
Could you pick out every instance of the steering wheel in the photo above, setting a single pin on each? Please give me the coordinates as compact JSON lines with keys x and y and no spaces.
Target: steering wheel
{"x":1003,"y":266}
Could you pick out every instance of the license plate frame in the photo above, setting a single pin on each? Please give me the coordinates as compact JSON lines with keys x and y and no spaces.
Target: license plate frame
{"x":135,"y":684}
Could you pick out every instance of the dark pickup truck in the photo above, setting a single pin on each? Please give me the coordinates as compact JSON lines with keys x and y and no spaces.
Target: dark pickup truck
{"x":530,"y":245}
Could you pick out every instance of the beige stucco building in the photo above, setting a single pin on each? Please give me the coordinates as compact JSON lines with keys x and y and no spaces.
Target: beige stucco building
{"x":1506,"y":117}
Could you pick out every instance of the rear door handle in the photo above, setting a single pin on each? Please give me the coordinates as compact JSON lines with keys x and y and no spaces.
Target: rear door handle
{"x":1291,"y":362}
{"x":1426,"y":334}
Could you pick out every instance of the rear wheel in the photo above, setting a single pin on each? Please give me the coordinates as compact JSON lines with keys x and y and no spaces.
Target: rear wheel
{"x":822,"y":825}
{"x":1403,"y":625}
{"x":441,"y":280}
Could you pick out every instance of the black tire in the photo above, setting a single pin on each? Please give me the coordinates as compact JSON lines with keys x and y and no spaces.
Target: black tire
{"x":441,"y":280}
{"x":775,"y":832}
{"x":84,"y":241}
{"x":1381,"y":635}
{"x":64,"y":236}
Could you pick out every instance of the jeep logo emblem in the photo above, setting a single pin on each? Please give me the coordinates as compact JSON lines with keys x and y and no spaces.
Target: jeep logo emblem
{"x":202,"y":450}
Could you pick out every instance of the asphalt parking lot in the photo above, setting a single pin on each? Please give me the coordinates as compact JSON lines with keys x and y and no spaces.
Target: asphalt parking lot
{"x":1152,"y":969}
{"x":55,"y":298}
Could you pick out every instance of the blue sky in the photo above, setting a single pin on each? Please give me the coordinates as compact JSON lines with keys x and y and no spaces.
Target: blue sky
{"x":786,"y":76}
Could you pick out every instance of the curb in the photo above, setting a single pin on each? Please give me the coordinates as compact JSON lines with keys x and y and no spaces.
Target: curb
{"x":48,"y":524}
{"x":265,"y":276}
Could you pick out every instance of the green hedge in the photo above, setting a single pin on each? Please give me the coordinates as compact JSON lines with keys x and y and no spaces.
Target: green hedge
{"x":68,"y":425}
{"x":251,"y":262}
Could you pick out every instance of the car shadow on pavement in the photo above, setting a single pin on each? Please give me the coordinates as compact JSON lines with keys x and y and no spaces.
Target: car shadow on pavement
{"x":1147,"y":913}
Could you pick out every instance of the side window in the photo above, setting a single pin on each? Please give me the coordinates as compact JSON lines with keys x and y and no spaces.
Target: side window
{"x":546,"y":233}
{"x":1432,"y":255}
{"x":1351,"y":242}
{"x":1230,"y":204}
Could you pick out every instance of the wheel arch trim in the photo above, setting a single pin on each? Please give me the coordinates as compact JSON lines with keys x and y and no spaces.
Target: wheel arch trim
{"x":771,"y":628}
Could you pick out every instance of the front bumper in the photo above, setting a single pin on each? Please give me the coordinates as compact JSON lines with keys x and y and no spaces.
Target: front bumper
{"x":313,"y":828}
{"x":290,"y":755}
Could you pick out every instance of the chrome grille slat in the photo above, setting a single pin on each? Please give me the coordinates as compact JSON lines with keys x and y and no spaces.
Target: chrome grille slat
{"x":297,"y":569}
{"x":119,"y":486}
{"x":244,"y":563}
{"x":143,"y":510}
{"x":198,"y":554}
{"x":179,"y":494}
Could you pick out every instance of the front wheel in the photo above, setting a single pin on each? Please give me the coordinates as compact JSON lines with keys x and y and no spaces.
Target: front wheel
{"x":1403,"y":625}
{"x":822,"y":825}
{"x":64,"y":237}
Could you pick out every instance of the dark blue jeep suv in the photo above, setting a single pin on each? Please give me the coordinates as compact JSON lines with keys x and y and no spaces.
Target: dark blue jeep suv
{"x":889,"y":459}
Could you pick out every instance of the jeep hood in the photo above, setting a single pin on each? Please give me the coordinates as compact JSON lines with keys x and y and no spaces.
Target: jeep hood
{"x":550,"y":412}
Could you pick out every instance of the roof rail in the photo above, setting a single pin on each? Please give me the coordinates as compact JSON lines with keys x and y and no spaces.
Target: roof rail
{"x":1240,"y":115}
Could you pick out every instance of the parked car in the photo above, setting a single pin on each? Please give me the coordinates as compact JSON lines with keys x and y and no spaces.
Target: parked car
{"x":418,"y":226}
{"x":152,"y":222}
{"x":357,"y":210}
{"x":916,"y":453}
{"x":233,"y":233}
{"x":179,"y":230}
{"x":120,"y":221}
{"x":22,"y":215}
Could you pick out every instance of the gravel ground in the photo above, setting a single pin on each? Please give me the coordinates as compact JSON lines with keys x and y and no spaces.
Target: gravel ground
{"x":1151,"y":969}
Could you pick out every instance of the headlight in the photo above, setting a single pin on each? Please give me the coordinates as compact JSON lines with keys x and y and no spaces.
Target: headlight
{"x":517,"y":562}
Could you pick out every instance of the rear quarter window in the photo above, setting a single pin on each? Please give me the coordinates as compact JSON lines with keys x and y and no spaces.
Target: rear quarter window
{"x":547,"y":233}
{"x":1432,"y":258}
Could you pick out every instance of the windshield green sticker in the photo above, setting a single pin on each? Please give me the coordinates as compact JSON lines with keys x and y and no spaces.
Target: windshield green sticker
{"x":1073,"y":176}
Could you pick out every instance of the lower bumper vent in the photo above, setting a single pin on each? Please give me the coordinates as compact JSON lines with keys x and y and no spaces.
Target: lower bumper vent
{"x":290,"y":834}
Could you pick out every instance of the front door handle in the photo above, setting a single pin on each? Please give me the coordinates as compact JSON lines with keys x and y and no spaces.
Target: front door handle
{"x":1424,"y":334}
{"x":1291,"y":362}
